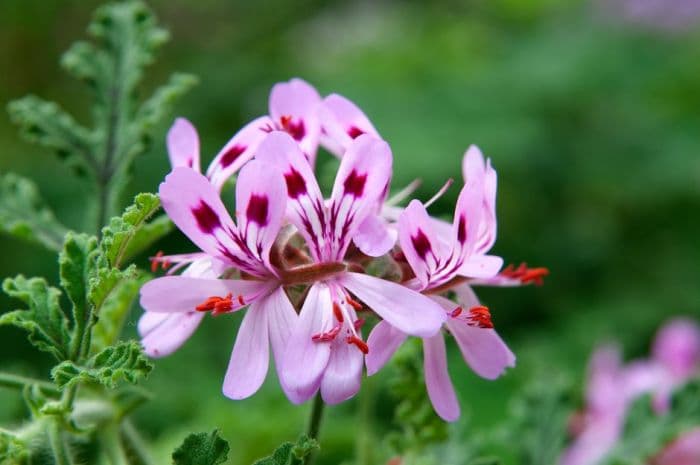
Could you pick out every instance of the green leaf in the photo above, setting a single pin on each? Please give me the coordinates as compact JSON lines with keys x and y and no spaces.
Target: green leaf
{"x":44,"y":320}
{"x":123,"y":362}
{"x":25,"y":215}
{"x":646,"y":432}
{"x":161,"y":103}
{"x":47,"y":124}
{"x":12,"y":449}
{"x":105,"y":282}
{"x":121,"y":238}
{"x":291,"y":453}
{"x":202,"y":449}
{"x":114,"y":311}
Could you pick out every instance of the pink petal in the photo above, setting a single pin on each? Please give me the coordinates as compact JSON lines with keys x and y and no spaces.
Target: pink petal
{"x":261,"y":201}
{"x":362,"y":180}
{"x":183,"y":145}
{"x":299,"y":101}
{"x":419,"y":242}
{"x":305,"y":204}
{"x":474,"y":168}
{"x":181,"y":294}
{"x":305,"y":359}
{"x":593,"y":444}
{"x":482,"y":349}
{"x":195,"y":207}
{"x":677,"y":346}
{"x":481,"y":266}
{"x":468,"y":217}
{"x":342,"y":377}
{"x":374,"y":236}
{"x":282,"y":318}
{"x":250,"y":357}
{"x":383,"y":342}
{"x":238,"y":150}
{"x":164,"y":333}
{"x":343,"y":121}
{"x":407,"y":310}
{"x":683,"y":451}
{"x":437,"y":379}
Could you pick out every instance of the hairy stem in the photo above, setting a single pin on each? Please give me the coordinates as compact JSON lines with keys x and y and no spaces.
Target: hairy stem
{"x":58,"y":445}
{"x":110,"y":441}
{"x":134,"y":444}
{"x":9,"y":380}
{"x":315,"y":424}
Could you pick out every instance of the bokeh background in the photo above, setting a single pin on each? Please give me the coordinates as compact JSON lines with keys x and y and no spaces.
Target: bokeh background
{"x":590,"y":112}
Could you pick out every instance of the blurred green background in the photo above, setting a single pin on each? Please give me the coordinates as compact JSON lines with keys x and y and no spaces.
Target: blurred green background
{"x":592,"y":123}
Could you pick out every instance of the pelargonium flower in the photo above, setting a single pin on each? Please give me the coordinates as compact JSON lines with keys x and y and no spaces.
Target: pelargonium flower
{"x":195,"y":207}
{"x":441,"y":259}
{"x":683,"y":451}
{"x":326,"y":349}
{"x":612,"y":387}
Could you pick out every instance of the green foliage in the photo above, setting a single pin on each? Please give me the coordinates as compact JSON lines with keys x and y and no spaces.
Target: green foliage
{"x":202,"y":449}
{"x":12,"y":449}
{"x":646,"y":432}
{"x":129,"y":234}
{"x":290,"y":453}
{"x":44,"y":319}
{"x":124,"y":361}
{"x":24,"y":214}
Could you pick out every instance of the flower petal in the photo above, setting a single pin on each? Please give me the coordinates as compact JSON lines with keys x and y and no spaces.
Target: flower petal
{"x":419,"y":243}
{"x":374,"y":236}
{"x":164,"y":333}
{"x":482,"y":349}
{"x":383,"y":342}
{"x":342,"y":377}
{"x":181,"y":294}
{"x":305,"y":204}
{"x":306,"y":359}
{"x":294,"y":108}
{"x":361,"y":182}
{"x":677,"y":347}
{"x":183,"y":145}
{"x":342,"y":121}
{"x":481,"y":266}
{"x":437,"y":379}
{"x":195,"y":207}
{"x":407,"y":310}
{"x":238,"y":150}
{"x":261,"y":202}
{"x":282,"y":319}
{"x":251,"y":355}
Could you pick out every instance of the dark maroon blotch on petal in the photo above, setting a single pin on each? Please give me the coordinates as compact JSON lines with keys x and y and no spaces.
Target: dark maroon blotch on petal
{"x":296,"y":130}
{"x":421,"y":244}
{"x":354,"y":132}
{"x":231,"y":155}
{"x":296,"y":185}
{"x":355,"y":184}
{"x":206,"y":217}
{"x":257,"y":209}
{"x":462,"y":229}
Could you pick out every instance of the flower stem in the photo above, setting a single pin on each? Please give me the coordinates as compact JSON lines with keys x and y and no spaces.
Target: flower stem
{"x":112,"y":445}
{"x":18,"y":382}
{"x":134,"y":444}
{"x":315,"y":424}
{"x":58,"y":445}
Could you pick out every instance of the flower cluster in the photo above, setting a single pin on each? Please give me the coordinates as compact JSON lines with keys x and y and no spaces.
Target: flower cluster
{"x":313,"y":270}
{"x":612,"y":387}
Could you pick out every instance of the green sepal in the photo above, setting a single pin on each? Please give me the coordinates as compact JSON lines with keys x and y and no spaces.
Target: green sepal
{"x":44,"y":320}
{"x":202,"y":449}
{"x":122,"y":362}
{"x":24,"y":214}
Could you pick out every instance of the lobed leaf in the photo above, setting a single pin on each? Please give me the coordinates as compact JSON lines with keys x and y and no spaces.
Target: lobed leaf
{"x":44,"y":319}
{"x":25,"y":215}
{"x":291,"y":453}
{"x":122,"y":362}
{"x":202,"y":449}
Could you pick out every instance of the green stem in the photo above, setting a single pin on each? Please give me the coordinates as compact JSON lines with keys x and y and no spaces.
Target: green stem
{"x":365,"y":436}
{"x":19,"y":382}
{"x":134,"y":444}
{"x":315,"y":424}
{"x":111,"y":443}
{"x":58,"y":445}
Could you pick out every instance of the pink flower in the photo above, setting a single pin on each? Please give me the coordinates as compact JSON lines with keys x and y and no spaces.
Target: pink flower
{"x":683,"y":451}
{"x":612,"y":387}
{"x":341,"y":123}
{"x":326,"y":349}
{"x":194,"y":205}
{"x":442,"y":257}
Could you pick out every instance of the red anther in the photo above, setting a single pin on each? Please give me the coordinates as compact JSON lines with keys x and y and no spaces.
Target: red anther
{"x":354,"y":303}
{"x":166,"y":264}
{"x":399,"y":256}
{"x":241,"y":300}
{"x":524,"y":274}
{"x":359,"y":343}
{"x":338,"y":312}
{"x":155,"y":260}
{"x":218,"y":304}
{"x":480,"y":317}
{"x":328,"y":336}
{"x":456,"y":312}
{"x":359,"y":323}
